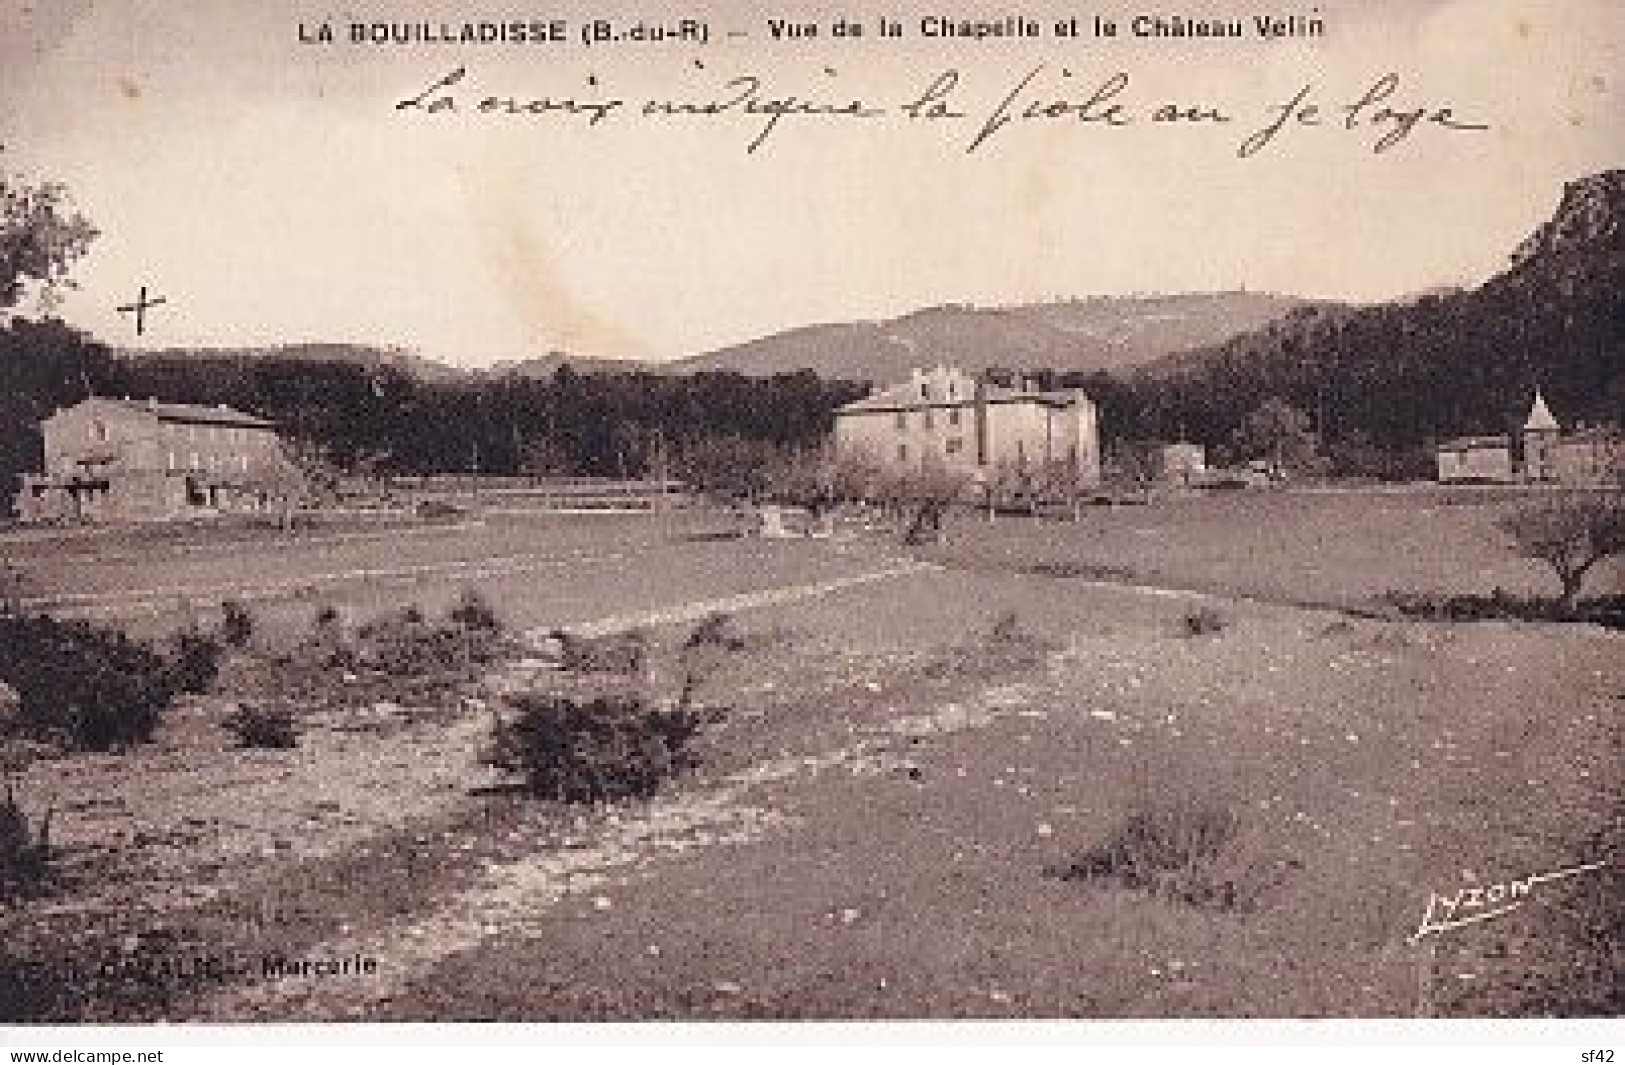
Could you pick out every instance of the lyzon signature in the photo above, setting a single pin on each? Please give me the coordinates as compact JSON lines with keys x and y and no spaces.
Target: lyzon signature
{"x":1471,"y":905}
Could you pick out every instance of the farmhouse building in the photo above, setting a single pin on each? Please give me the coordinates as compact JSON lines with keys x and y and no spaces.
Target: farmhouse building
{"x":1546,"y":455}
{"x":132,"y":460}
{"x":1182,"y":463}
{"x":1470,"y":459}
{"x":947,"y":419}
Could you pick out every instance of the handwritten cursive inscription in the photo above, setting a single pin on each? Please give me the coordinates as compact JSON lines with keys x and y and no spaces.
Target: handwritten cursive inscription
{"x":1042,"y":95}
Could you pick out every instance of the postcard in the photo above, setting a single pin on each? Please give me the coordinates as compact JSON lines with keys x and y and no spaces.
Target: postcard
{"x":1065,"y":511}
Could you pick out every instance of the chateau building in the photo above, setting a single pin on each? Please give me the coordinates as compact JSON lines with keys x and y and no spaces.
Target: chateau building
{"x":132,"y":460}
{"x":946,"y":418}
{"x":1545,"y":454}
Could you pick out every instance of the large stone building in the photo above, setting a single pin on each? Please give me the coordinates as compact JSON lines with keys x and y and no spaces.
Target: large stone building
{"x":1544,"y":454}
{"x":947,"y":419}
{"x":132,"y":460}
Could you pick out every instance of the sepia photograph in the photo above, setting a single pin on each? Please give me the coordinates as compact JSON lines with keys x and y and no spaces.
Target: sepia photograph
{"x":1052,"y":517}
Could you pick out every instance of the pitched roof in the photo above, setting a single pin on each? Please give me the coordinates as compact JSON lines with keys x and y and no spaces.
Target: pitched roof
{"x":1475,"y":443}
{"x":197,"y":414}
{"x":904,"y":397}
{"x":1540,"y":416}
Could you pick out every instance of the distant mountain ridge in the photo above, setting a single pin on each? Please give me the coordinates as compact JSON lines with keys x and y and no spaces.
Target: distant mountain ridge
{"x":1107,"y":333}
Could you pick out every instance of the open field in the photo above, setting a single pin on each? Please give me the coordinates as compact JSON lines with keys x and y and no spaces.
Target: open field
{"x":878,"y":820}
{"x":1325,"y":548}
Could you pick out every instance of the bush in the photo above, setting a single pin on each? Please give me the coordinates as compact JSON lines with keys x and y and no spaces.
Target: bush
{"x":620,"y":652}
{"x":706,"y":652}
{"x":473,"y":611}
{"x":601,"y":749}
{"x":265,"y":729}
{"x":1500,"y":605}
{"x":1006,"y":629}
{"x":1186,"y":851}
{"x":439,"y":510}
{"x":1203,"y":621}
{"x":25,"y":851}
{"x":406,"y":644}
{"x":237,"y":623}
{"x":93,"y":688}
{"x":328,"y":645}
{"x":195,"y":660}
{"x":716,"y":629}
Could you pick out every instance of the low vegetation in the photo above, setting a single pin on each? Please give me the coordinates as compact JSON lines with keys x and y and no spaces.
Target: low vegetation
{"x":610,"y":739}
{"x":195,"y":657}
{"x":26,"y":854}
{"x":237,"y":623}
{"x":1202,"y":621}
{"x":1186,"y":851}
{"x":1501,"y":605}
{"x":263,"y":728}
{"x":623,"y":653}
{"x":600,"y":749}
{"x":85,"y":687}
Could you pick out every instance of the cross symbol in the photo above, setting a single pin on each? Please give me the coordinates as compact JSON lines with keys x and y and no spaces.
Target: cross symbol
{"x":139,"y":309}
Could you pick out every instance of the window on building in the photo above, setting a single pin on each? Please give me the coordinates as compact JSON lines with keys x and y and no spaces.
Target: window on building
{"x":926,"y":418}
{"x":902,"y":452}
{"x":98,"y":431}
{"x":953,"y":416}
{"x":902,"y":421}
{"x":169,"y":460}
{"x":955,"y":446}
{"x":925,"y":392}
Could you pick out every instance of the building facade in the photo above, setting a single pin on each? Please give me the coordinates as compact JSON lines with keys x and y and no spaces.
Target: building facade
{"x":946,"y":419}
{"x":1474,"y":459}
{"x":142,"y":460}
{"x":1546,"y":454}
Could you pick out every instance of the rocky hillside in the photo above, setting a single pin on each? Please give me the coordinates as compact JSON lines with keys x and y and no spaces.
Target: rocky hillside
{"x":1398,"y":375}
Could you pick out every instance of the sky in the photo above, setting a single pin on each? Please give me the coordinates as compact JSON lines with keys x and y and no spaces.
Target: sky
{"x":272,"y":191}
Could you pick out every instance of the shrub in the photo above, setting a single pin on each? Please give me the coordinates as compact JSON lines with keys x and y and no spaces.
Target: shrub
{"x":1006,"y":629}
{"x":328,"y":644}
{"x":716,"y":629}
{"x":93,"y":688}
{"x":237,"y":623}
{"x":13,"y":587}
{"x":406,"y":644}
{"x":620,"y":652}
{"x":25,"y":851}
{"x":1185,"y":851}
{"x":473,"y":611}
{"x":705,"y":653}
{"x":262,"y":728}
{"x":1202,"y":621}
{"x":439,"y":510}
{"x":1500,"y":605}
{"x":195,"y":660}
{"x":601,"y":749}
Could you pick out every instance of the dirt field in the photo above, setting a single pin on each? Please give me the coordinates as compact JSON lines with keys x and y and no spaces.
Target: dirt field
{"x":878,"y":821}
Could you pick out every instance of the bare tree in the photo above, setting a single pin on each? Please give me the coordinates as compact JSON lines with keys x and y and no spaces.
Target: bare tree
{"x":1570,"y":531}
{"x":927,"y":495}
{"x":299,"y":475}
